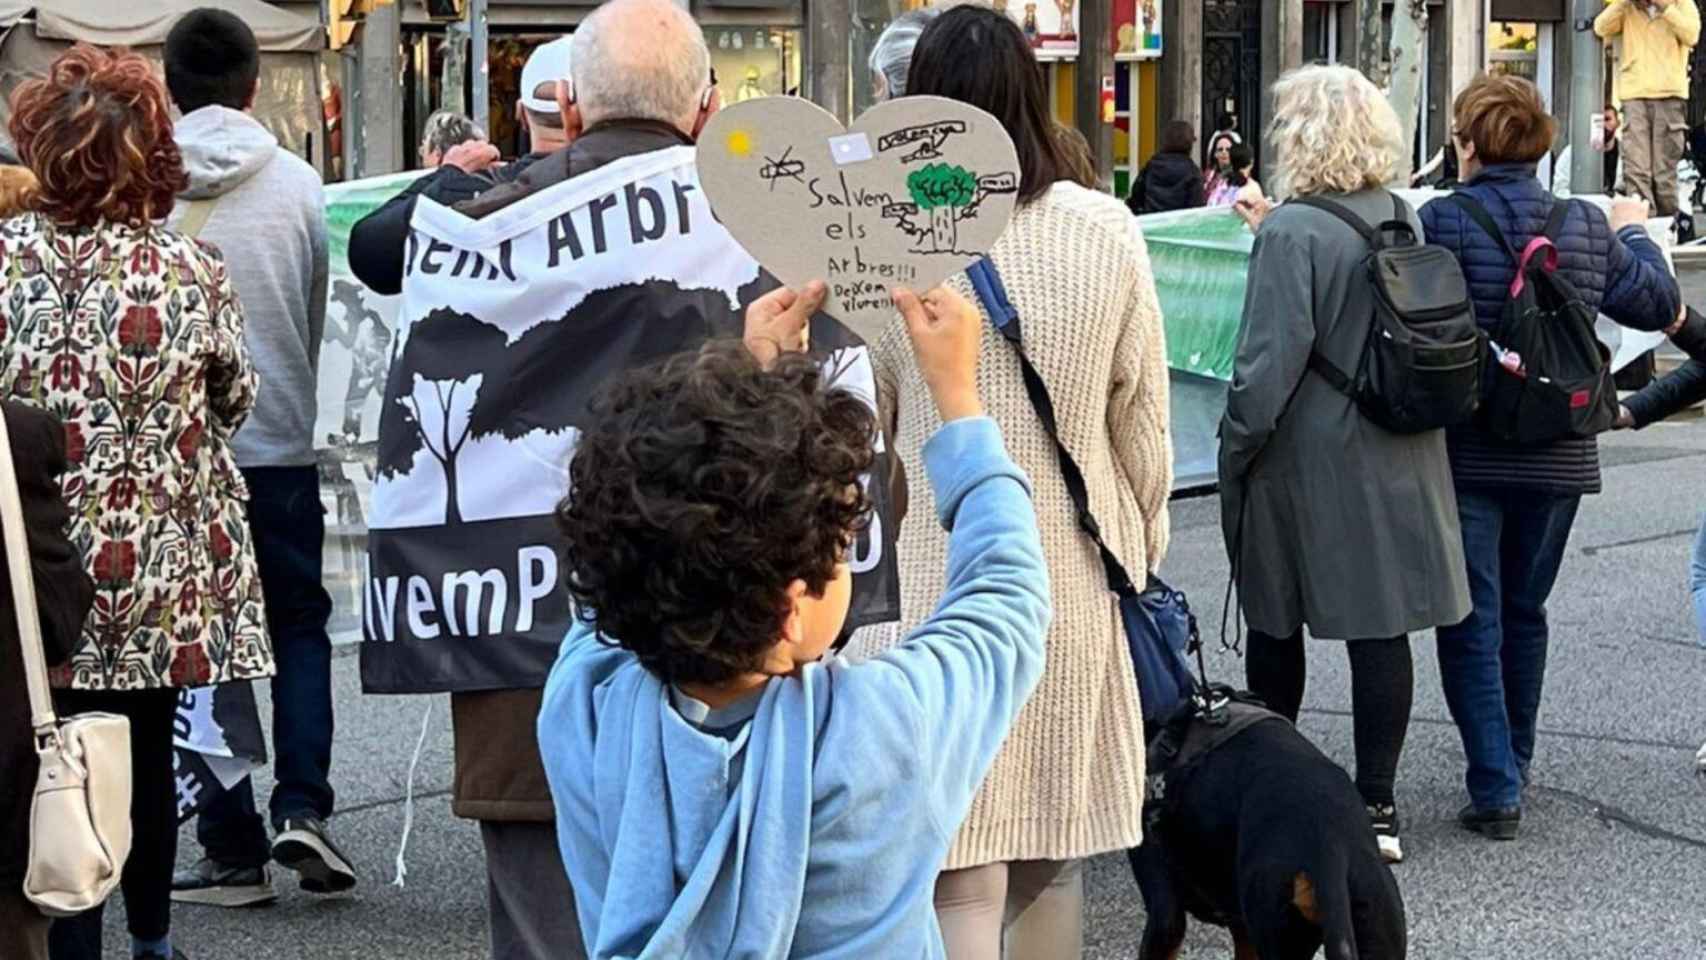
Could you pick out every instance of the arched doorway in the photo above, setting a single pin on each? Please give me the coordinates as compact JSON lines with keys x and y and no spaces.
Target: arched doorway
{"x":1232,"y":68}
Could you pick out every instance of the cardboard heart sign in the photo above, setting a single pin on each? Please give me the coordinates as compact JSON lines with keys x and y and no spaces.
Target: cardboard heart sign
{"x":917,"y":190}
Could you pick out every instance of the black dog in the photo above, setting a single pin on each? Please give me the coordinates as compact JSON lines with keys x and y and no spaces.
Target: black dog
{"x":1265,"y":835}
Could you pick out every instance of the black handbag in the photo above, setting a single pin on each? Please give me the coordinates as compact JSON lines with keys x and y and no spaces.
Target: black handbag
{"x":1160,"y":629}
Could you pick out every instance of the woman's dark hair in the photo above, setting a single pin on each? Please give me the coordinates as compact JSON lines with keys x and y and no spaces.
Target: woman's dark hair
{"x":1242,"y":157}
{"x":702,"y":487}
{"x":97,"y":133}
{"x":974,"y":55}
{"x":1231,"y":140}
{"x":1178,"y":136}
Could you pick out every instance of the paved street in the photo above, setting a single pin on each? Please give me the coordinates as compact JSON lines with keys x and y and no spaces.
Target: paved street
{"x":1612,"y":863}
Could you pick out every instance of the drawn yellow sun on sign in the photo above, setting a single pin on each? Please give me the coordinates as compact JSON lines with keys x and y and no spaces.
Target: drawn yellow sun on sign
{"x":740,"y":143}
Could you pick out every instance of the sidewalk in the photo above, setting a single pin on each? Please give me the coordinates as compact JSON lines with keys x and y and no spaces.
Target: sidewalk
{"x":1612,"y":863}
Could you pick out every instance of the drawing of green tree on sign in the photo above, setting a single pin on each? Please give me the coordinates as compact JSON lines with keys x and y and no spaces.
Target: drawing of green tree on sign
{"x":945,"y":192}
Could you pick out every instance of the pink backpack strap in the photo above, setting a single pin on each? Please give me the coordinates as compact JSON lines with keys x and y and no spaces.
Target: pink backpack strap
{"x":1539,"y":243}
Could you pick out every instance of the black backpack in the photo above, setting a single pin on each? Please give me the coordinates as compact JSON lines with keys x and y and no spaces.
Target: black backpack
{"x":1552,"y":377}
{"x":1421,"y":367}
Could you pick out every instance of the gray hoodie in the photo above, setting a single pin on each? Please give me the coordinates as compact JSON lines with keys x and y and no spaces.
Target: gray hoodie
{"x":269,"y":221}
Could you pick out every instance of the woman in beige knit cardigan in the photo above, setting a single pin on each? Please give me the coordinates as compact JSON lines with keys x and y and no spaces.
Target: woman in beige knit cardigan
{"x":1069,"y":782}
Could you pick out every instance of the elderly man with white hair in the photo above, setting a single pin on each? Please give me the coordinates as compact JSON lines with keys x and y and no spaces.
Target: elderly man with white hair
{"x":638,"y":82}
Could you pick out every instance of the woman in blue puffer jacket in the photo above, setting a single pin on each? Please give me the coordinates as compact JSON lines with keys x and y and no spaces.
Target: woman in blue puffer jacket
{"x":1516,"y":504}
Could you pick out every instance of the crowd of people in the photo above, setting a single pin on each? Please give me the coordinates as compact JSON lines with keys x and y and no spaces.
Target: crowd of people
{"x":706,"y":771}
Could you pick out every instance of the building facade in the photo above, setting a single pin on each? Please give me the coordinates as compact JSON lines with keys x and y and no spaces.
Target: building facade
{"x":1117,"y":69}
{"x":1226,"y":55}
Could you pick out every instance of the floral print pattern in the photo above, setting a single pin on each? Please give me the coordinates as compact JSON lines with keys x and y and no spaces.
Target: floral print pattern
{"x":133,"y":337}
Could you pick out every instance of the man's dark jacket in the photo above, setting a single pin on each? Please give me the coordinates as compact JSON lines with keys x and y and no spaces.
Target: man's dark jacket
{"x":63,"y":595}
{"x":378,"y":240}
{"x":498,"y":773}
{"x":1683,"y":387}
{"x":1169,"y":181}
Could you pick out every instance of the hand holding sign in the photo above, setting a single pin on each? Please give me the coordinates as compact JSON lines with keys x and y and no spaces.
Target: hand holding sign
{"x":916,"y":191}
{"x":779,"y":321}
{"x":947,"y":333}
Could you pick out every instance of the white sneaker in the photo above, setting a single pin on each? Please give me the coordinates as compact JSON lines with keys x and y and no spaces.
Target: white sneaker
{"x":1384,"y":818}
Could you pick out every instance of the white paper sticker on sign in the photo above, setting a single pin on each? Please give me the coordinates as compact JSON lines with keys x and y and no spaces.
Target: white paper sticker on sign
{"x":850,"y":148}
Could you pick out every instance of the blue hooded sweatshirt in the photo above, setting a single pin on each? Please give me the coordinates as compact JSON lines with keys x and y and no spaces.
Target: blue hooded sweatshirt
{"x":816,"y":828}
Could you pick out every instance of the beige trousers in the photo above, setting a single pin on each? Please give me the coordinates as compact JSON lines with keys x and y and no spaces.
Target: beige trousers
{"x":1654,"y":131}
{"x":1038,"y":904}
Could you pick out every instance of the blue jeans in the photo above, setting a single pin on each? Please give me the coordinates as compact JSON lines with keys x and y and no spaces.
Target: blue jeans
{"x":289,"y":527}
{"x":1493,"y":664}
{"x":1697,"y":581}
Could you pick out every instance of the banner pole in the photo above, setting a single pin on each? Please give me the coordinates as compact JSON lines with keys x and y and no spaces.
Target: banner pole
{"x":481,"y":63}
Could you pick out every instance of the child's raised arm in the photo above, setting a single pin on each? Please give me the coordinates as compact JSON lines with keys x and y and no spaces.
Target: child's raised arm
{"x":976,"y":660}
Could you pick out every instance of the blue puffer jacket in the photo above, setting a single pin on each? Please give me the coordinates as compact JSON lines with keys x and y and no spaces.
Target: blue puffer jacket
{"x":1623,"y":276}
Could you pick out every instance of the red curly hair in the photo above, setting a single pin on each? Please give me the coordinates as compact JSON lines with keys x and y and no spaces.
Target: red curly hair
{"x":97,"y":133}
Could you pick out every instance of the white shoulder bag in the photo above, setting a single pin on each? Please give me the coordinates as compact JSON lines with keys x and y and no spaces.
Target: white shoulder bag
{"x":80,"y":815}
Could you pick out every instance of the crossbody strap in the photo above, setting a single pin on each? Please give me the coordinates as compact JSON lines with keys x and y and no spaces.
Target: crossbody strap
{"x":1324,"y":368}
{"x":1485,"y":221}
{"x":1555,"y":222}
{"x":42,"y":718}
{"x":196,"y":213}
{"x":993,"y":295}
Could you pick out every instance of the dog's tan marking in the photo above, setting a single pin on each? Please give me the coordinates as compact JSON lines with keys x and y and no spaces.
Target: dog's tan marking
{"x":1303,"y":898}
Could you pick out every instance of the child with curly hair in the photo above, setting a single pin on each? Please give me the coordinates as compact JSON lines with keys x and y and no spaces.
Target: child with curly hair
{"x":721,"y":789}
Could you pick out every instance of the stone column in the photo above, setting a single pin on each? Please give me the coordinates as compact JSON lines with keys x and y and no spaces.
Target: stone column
{"x":373,"y":101}
{"x":1282,"y":50}
{"x":1181,"y":65}
{"x":1467,"y":27}
{"x":829,"y":28}
{"x":1095,"y":61}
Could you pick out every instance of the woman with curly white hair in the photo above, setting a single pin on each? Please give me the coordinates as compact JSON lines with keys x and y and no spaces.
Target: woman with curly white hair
{"x":1332,"y":523}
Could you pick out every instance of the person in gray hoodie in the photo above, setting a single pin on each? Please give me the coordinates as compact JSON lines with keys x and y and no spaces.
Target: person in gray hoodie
{"x":263,"y":208}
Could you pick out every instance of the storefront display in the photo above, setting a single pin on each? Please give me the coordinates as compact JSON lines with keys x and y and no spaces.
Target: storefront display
{"x":753,"y":62}
{"x":1137,"y":29}
{"x":1050,"y":25}
{"x":1137,"y":46}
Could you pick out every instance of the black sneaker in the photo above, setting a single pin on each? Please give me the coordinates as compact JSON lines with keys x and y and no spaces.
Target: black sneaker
{"x":1384,"y":817}
{"x":213,"y":884}
{"x":304,"y":846}
{"x":1502,"y":823}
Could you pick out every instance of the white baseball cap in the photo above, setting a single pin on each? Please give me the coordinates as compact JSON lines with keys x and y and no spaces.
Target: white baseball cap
{"x":548,"y":63}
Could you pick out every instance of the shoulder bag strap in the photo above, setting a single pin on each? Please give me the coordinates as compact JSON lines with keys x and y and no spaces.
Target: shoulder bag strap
{"x":196,"y":213}
{"x":1484,"y":220}
{"x":1361,"y":226}
{"x":1327,"y":369}
{"x":1555,"y":222}
{"x":993,"y":295}
{"x":42,"y":718}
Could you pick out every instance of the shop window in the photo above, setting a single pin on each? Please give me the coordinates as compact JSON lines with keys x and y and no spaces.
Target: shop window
{"x":1514,"y":49}
{"x":753,"y":62}
{"x":1320,"y":33}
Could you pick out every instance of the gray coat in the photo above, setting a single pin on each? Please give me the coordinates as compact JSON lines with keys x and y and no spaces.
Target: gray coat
{"x":1345,"y":527}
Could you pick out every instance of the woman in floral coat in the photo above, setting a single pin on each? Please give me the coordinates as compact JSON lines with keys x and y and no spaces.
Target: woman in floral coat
{"x":131,"y":335}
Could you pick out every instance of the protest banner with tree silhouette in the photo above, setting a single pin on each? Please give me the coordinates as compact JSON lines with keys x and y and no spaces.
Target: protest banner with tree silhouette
{"x":506,"y":328}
